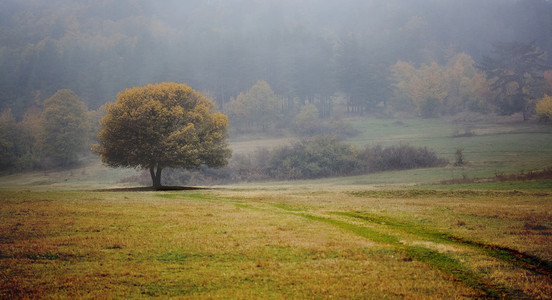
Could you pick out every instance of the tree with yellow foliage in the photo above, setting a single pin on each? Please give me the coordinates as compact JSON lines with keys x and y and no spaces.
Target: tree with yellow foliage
{"x":426,"y":86}
{"x":434,"y":89}
{"x":166,"y":125}
{"x":544,"y":108}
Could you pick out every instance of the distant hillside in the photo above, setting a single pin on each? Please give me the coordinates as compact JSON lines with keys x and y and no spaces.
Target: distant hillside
{"x":97,"y":48}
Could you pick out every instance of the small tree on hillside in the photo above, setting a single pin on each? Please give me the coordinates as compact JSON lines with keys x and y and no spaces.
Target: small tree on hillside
{"x":259,"y":106}
{"x":307,"y":121}
{"x":8,"y":130}
{"x":63,"y":129}
{"x":167,"y":125}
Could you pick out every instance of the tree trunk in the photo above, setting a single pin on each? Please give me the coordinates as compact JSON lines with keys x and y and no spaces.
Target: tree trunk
{"x":156,"y":176}
{"x":526,"y":112}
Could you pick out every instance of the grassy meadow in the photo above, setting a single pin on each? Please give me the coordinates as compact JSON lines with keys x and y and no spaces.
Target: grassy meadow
{"x":80,"y":234}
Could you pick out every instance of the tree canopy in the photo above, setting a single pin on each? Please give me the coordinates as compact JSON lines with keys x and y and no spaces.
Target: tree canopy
{"x":166,"y":125}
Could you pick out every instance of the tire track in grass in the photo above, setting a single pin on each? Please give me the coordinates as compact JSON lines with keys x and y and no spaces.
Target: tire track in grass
{"x":506,"y":254}
{"x":442,"y":262}
{"x":449,"y":266}
{"x":516,"y":257}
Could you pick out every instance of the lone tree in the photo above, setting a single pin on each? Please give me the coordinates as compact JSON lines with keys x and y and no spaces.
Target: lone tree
{"x":167,"y":125}
{"x":518,"y":78}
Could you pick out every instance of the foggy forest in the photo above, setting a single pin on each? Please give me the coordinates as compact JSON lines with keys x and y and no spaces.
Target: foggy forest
{"x":271,"y":66}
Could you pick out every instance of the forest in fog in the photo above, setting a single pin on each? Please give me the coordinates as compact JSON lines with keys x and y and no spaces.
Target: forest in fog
{"x":303,"y":49}
{"x":265,"y":63}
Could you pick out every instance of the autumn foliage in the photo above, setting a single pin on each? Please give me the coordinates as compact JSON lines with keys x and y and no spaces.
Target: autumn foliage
{"x":433,"y":89}
{"x":544,"y":108}
{"x":167,"y":125}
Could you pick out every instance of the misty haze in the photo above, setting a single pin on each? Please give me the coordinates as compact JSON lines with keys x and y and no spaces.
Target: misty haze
{"x":276,"y":149}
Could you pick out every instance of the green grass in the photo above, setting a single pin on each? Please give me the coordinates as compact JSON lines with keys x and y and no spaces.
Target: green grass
{"x":544,"y":185}
{"x":507,"y":147}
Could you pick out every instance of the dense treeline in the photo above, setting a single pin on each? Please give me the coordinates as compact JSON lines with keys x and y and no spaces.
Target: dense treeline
{"x":307,"y":51}
{"x":56,"y":136}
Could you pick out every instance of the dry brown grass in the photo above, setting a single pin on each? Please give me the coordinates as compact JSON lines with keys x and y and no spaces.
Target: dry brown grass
{"x":256,"y":242}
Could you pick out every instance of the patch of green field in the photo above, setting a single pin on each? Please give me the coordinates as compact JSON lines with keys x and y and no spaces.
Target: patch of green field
{"x":493,"y":147}
{"x":544,"y":185}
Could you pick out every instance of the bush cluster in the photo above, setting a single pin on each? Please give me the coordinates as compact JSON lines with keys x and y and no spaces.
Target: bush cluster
{"x":316,"y":157}
{"x":401,"y":157}
{"x":320,"y":156}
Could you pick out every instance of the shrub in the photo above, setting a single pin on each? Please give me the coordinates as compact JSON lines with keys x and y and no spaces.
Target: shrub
{"x":400,"y":157}
{"x":325,"y":156}
{"x":321,"y":156}
{"x":459,"y":155}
